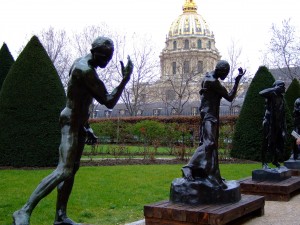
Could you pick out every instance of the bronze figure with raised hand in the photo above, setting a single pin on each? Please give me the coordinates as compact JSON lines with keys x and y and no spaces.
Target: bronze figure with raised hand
{"x":204,"y":163}
{"x":84,"y":85}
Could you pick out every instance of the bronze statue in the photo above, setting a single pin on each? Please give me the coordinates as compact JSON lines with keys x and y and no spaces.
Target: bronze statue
{"x":204,"y":163}
{"x":274,"y":124}
{"x":296,"y":116}
{"x":84,"y":85}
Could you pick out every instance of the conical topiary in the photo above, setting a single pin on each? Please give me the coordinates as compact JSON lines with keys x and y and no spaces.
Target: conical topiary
{"x":31,"y":99}
{"x":6,"y":61}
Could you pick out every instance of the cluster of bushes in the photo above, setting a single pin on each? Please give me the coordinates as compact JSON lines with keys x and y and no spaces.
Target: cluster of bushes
{"x":147,"y":132}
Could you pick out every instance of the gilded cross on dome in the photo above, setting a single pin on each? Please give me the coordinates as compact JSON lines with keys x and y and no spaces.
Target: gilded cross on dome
{"x":189,"y":6}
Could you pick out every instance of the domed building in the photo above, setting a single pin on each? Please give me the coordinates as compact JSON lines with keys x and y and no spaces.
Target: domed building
{"x":189,"y":53}
{"x":190,"y":45}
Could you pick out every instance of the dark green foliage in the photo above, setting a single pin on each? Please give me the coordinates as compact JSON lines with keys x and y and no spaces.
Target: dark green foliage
{"x":292,"y":93}
{"x":6,"y":61}
{"x":31,"y":99}
{"x":248,"y":136}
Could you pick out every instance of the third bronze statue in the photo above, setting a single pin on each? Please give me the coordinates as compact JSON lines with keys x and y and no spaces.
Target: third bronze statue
{"x":204,"y":163}
{"x":274,"y":124}
{"x":84,"y":85}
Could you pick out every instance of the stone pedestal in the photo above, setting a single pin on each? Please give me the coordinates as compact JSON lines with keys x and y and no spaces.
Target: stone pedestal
{"x":272,"y":191}
{"x":200,"y":192}
{"x":167,"y":213}
{"x":276,"y":174}
{"x":292,"y":164}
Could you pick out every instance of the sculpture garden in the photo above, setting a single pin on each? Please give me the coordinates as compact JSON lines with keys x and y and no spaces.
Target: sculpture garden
{"x":117,"y":194}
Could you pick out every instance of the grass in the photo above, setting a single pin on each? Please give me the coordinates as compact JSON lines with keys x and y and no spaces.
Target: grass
{"x":101,"y":195}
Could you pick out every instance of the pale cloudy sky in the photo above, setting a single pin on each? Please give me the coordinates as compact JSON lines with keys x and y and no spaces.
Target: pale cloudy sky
{"x":246,"y":21}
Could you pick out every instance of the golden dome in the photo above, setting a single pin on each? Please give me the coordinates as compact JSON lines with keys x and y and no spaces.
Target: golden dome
{"x":189,"y":22}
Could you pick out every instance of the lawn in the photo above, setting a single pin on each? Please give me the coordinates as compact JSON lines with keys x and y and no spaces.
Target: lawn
{"x":104,"y":195}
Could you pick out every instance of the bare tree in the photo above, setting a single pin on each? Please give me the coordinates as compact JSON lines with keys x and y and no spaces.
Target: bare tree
{"x":234,"y":58}
{"x":142,"y":52}
{"x":283,"y":51}
{"x":57,"y":46}
{"x":182,"y":84}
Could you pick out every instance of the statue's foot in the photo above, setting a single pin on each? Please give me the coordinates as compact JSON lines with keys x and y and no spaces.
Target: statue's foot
{"x":217,"y":182}
{"x":265,"y":166}
{"x":66,"y":221}
{"x":277,"y":164}
{"x":20,"y":217}
{"x":187,"y":173}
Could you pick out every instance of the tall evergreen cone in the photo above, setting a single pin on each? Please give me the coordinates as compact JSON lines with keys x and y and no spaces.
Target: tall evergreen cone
{"x":292,"y":93}
{"x":31,"y":99}
{"x":6,"y":61}
{"x":248,"y":135}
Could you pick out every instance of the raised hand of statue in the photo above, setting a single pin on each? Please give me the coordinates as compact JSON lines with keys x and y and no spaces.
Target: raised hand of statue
{"x":241,"y":73}
{"x":127,"y":71}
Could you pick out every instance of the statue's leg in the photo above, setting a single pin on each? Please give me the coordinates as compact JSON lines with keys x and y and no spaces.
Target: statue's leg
{"x":22,"y":216}
{"x":61,"y":173}
{"x":64,"y":189}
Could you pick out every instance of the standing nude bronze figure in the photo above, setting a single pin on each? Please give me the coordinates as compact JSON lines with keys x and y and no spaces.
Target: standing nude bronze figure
{"x":84,"y":85}
{"x":274,"y":124}
{"x":204,"y":163}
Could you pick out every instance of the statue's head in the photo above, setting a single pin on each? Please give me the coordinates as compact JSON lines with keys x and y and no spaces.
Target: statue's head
{"x":280,"y":85}
{"x":102,"y":51}
{"x":297,"y":105}
{"x":222,"y":69}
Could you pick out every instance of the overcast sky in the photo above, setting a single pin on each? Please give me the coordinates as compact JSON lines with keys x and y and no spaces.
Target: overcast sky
{"x":246,"y":21}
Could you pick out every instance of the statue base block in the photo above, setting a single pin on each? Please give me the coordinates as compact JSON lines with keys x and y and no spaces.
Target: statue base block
{"x":199,"y":192}
{"x":271,"y":174}
{"x":273,"y":191}
{"x":166,"y":212}
{"x":292,"y":164}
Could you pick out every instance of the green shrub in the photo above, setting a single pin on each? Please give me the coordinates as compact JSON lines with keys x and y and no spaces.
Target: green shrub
{"x":31,"y":99}
{"x":6,"y":61}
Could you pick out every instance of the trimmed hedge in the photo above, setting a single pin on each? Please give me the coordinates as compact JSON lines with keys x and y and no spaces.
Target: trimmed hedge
{"x":31,"y":99}
{"x":6,"y":61}
{"x":171,"y":130}
{"x":248,"y":135}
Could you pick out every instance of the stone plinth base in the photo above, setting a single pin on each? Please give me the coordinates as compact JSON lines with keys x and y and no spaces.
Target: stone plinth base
{"x":271,"y":174}
{"x":199,"y":192}
{"x":273,"y":191}
{"x":166,"y":212}
{"x":292,"y":164}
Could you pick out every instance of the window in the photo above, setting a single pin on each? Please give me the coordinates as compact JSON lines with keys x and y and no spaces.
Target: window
{"x":186,"y":44}
{"x":186,"y":67}
{"x":209,"y":45}
{"x":139,"y":112}
{"x":107,"y":113}
{"x":200,"y":67}
{"x":194,"y":111}
{"x":199,"y":44}
{"x":173,"y":67}
{"x":156,"y":112}
{"x":174,"y":45}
